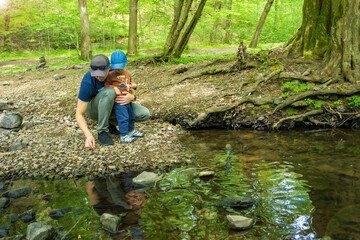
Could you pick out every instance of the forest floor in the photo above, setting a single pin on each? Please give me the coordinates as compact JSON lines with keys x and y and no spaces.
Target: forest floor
{"x":215,"y":93}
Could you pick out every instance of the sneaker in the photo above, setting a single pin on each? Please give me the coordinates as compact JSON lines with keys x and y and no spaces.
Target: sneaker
{"x":127,"y":139}
{"x":136,"y":133}
{"x":113,"y":130}
{"x":105,"y":139}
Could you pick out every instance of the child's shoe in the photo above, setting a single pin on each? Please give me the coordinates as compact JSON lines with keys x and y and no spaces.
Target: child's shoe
{"x":136,"y":133}
{"x":127,"y":139}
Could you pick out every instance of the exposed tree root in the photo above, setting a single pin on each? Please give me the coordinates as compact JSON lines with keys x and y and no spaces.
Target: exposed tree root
{"x":205,"y":73}
{"x":311,"y":113}
{"x":314,"y":79}
{"x":346,"y":91}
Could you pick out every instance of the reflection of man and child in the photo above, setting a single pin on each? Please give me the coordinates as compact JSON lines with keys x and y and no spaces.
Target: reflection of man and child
{"x":106,"y":96}
{"x":115,"y":196}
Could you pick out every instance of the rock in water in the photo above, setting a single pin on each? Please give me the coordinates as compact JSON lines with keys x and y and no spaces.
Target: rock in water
{"x":110,"y":222}
{"x":146,"y":179}
{"x":39,"y":231}
{"x":239,"y":222}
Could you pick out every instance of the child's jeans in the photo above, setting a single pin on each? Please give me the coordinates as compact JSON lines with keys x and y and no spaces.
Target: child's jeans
{"x":125,"y":117}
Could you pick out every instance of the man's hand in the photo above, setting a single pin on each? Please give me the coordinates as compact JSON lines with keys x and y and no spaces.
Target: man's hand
{"x":90,"y":142}
{"x":124,"y":99}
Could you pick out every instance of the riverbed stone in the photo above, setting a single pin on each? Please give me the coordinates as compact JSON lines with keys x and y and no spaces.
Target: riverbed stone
{"x":206,"y":174}
{"x":59,"y":213}
{"x":10,"y":120}
{"x":17,"y":146}
{"x":4,"y":202}
{"x":4,"y":106}
{"x":110,"y":222}
{"x":3,"y":233}
{"x":39,"y":231}
{"x":237,"y":202}
{"x":13,"y":217}
{"x":146,"y":179}
{"x":239,"y":222}
{"x":28,"y":216}
{"x":18,"y":192}
{"x":2,"y":186}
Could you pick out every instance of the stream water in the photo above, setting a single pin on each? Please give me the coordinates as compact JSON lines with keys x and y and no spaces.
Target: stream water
{"x":305,"y":185}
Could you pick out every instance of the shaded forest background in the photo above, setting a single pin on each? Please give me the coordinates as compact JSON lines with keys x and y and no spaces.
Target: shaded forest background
{"x":53,"y":27}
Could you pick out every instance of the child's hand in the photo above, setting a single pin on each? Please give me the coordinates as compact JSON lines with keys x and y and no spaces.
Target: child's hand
{"x":133,"y":85}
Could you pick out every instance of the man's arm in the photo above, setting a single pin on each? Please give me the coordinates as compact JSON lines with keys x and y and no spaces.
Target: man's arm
{"x":80,"y":118}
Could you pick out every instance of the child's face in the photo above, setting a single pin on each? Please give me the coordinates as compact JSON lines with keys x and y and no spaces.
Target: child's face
{"x":119,"y":71}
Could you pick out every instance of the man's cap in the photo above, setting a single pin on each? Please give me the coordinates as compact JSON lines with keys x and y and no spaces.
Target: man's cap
{"x":118,"y":60}
{"x":99,"y":60}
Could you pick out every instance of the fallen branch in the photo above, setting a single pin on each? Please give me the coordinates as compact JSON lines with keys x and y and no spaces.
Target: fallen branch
{"x":207,"y":72}
{"x":311,"y":113}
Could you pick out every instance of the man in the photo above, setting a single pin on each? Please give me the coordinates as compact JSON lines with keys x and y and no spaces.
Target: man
{"x":97,"y":102}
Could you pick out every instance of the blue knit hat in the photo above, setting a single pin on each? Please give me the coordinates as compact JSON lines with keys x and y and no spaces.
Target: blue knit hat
{"x":118,"y":60}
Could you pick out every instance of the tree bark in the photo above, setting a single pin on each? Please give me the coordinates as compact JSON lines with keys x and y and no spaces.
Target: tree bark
{"x":257,"y":33}
{"x":190,"y":28}
{"x":181,"y":14}
{"x":217,"y":7}
{"x":331,"y":31}
{"x":228,"y":24}
{"x":132,"y":42}
{"x":85,"y":31}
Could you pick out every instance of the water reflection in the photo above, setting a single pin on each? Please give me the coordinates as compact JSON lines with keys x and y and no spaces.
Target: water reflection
{"x":302,"y":181}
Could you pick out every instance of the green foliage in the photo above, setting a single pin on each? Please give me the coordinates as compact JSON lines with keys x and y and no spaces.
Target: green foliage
{"x":291,"y":111}
{"x":308,"y":101}
{"x":296,"y":87}
{"x":353,"y":101}
{"x":50,"y":26}
{"x":318,"y":104}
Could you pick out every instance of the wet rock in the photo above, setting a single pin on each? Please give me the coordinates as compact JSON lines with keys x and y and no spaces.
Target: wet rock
{"x":4,"y":202}
{"x":137,"y":233}
{"x":239,"y":222}
{"x":181,"y":68}
{"x":206,"y":174}
{"x":4,"y":233}
{"x":39,"y":231}
{"x":2,"y":186}
{"x":110,"y":222}
{"x":237,"y":202}
{"x":59,"y":213}
{"x":146,"y":179}
{"x":28,"y":216}
{"x":59,"y":76}
{"x":13,"y":217}
{"x":10,"y":120}
{"x":17,"y":193}
{"x":47,"y":198}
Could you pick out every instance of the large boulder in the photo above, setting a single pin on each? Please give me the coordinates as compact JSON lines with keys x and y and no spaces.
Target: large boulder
{"x":10,"y":120}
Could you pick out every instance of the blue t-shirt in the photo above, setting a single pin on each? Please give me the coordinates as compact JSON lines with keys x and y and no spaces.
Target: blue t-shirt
{"x":89,"y":87}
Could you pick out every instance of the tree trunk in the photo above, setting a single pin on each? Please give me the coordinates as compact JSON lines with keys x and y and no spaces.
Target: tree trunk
{"x":85,"y":31}
{"x":181,"y":14}
{"x":276,"y":15}
{"x":331,"y":30}
{"x":133,"y":42}
{"x":228,"y":24}
{"x":216,"y":23}
{"x":257,"y":33}
{"x":190,"y":28}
